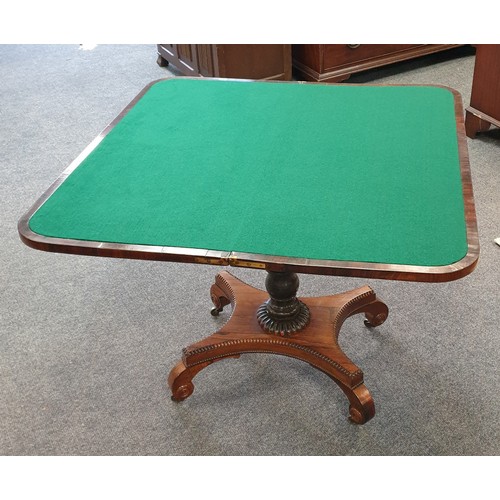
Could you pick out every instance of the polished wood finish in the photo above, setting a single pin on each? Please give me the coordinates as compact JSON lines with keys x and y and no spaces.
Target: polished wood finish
{"x":256,"y":62}
{"x":316,"y":344}
{"x":372,"y":270}
{"x":335,"y":63}
{"x":484,"y":109}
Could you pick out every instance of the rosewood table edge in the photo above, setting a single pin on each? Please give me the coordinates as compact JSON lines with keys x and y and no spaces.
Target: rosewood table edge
{"x":120,"y":250}
{"x":369,"y":270}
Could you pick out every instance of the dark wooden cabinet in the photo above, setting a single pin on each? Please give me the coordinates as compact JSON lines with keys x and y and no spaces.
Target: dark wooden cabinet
{"x":256,"y":62}
{"x":484,"y":109}
{"x":334,"y":63}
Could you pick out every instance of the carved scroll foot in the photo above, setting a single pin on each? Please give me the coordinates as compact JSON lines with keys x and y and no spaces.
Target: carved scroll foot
{"x":362,"y":407}
{"x":376,"y":313}
{"x":316,"y":343}
{"x":221,"y":297}
{"x":180,"y":380}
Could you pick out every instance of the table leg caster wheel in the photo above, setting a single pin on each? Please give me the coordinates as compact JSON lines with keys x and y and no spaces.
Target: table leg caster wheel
{"x":215,"y":311}
{"x":375,"y":320}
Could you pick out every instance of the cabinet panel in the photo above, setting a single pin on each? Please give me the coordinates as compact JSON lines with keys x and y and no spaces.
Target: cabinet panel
{"x":338,"y":55}
{"x":486,"y":81}
{"x":255,"y":62}
{"x":335,"y":63}
{"x":205,"y":60}
{"x":186,"y":55}
{"x":484,"y":109}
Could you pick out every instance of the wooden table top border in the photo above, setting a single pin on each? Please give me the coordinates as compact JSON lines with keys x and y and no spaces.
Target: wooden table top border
{"x":371,"y":270}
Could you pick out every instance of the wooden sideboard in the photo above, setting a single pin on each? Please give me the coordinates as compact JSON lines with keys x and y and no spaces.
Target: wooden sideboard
{"x":256,"y":62}
{"x":334,"y":63}
{"x":317,"y":63}
{"x":484,"y":109}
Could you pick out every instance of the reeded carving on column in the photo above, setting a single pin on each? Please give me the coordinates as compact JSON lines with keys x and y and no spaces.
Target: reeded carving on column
{"x":294,"y":323}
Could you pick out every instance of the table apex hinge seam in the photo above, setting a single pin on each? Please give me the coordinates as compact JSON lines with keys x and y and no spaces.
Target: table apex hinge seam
{"x":235,"y":261}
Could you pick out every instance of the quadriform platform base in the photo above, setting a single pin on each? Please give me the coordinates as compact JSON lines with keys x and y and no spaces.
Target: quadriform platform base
{"x":316,"y":343}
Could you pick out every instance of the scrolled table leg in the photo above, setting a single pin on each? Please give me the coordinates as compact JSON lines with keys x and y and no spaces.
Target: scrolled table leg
{"x":376,"y":313}
{"x":180,"y":380}
{"x":362,"y":407}
{"x":220,"y":296}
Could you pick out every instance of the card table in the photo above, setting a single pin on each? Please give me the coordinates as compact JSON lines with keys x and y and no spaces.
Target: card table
{"x":368,"y":181}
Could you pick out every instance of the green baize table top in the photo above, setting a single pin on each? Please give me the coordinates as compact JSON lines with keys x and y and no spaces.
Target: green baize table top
{"x":334,"y":172}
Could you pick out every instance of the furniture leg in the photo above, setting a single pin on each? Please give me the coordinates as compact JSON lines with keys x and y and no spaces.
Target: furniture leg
{"x":474,"y":124}
{"x":161,"y":61}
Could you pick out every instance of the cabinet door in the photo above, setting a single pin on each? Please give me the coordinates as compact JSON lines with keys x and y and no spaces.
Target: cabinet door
{"x":256,"y":62}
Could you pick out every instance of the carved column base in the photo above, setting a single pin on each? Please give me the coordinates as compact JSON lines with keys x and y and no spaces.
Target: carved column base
{"x":283,"y":327}
{"x":316,"y":343}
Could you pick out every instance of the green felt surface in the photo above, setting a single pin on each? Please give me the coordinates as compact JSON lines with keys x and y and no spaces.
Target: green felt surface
{"x":355,"y":173}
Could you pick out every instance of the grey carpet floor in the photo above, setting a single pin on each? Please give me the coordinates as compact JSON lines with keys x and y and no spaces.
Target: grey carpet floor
{"x":86,"y":343}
